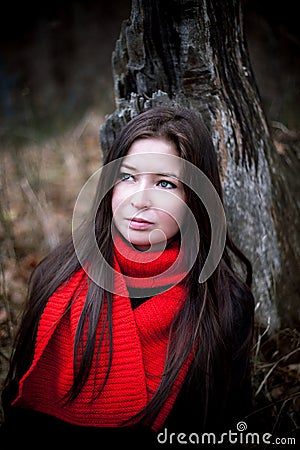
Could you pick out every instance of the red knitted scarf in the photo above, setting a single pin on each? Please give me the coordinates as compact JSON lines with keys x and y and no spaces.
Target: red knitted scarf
{"x":140,"y":339}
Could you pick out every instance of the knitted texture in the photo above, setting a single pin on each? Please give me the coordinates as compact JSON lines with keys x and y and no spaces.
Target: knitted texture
{"x":140,"y":339}
{"x":152,"y":268}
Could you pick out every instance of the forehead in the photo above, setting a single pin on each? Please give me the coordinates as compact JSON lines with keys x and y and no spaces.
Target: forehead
{"x":153,"y":155}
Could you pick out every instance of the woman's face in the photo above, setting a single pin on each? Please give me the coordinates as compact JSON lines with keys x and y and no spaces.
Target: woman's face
{"x":148,"y":201}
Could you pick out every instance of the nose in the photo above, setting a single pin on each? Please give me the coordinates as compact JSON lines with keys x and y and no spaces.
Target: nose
{"x":141,"y":199}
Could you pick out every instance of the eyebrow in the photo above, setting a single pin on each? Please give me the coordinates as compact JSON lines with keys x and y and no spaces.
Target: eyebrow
{"x":161,"y":174}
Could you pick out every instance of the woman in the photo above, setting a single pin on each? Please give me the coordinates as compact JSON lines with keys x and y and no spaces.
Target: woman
{"x":121,"y":337}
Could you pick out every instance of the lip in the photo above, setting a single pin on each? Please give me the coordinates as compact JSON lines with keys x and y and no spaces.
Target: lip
{"x":138,"y":223}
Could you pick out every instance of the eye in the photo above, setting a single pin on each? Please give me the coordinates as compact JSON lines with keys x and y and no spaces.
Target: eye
{"x":123,"y":176}
{"x":167,"y":184}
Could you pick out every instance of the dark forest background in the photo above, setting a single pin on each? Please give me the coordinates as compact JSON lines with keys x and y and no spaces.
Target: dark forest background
{"x":56,"y":87}
{"x":55,"y":61}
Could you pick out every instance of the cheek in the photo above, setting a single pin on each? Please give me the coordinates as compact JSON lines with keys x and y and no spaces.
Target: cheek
{"x":175,"y":211}
{"x":117,"y":199}
{"x":177,"y":207}
{"x":114,"y":202}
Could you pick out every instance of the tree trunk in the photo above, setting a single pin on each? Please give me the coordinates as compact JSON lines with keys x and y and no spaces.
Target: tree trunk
{"x":194,"y":52}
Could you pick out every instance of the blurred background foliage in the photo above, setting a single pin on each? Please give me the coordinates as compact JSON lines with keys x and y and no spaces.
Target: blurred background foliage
{"x":56,"y":87}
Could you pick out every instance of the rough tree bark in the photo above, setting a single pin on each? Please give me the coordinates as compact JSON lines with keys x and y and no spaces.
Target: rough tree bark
{"x":194,"y":53}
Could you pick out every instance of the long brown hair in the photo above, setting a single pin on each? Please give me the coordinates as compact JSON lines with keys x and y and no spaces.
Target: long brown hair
{"x":208,"y":315}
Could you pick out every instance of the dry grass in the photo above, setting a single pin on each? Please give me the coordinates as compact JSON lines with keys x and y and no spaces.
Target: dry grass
{"x":276,"y":376}
{"x":39,"y":185}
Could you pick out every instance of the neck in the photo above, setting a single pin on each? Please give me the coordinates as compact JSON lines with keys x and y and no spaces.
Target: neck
{"x":158,"y":247}
{"x":150,"y":247}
